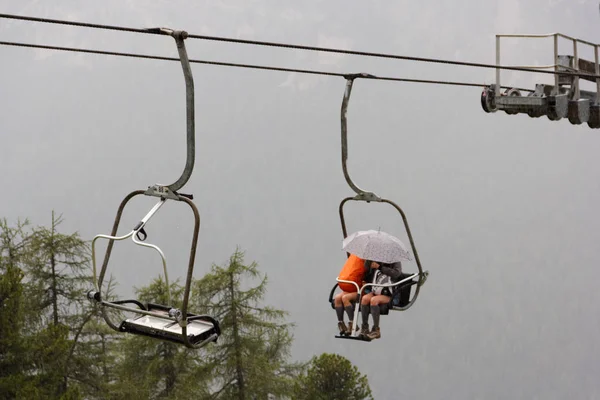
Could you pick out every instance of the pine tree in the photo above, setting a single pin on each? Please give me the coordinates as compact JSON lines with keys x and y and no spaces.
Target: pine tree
{"x":29,"y":350}
{"x":56,"y":282}
{"x":332,"y":377}
{"x":250,"y":359}
{"x":13,"y":362}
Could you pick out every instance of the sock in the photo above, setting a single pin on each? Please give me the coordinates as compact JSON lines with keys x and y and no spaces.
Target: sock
{"x":375,"y":313}
{"x":340,"y":313}
{"x":350,"y":312}
{"x":364,"y":309}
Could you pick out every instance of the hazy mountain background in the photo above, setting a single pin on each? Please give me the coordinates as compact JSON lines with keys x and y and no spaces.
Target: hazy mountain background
{"x":503,"y":209}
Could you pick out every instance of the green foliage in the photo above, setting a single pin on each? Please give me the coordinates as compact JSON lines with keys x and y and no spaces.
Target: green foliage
{"x":56,"y":287}
{"x":55,"y":267}
{"x":42,"y":310}
{"x":55,"y":345}
{"x":96,"y":353}
{"x":250,"y":359}
{"x":14,"y":356}
{"x":332,"y":377}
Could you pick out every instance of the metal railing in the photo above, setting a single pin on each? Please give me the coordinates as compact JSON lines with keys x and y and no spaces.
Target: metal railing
{"x":556,"y":64}
{"x":360,"y":290}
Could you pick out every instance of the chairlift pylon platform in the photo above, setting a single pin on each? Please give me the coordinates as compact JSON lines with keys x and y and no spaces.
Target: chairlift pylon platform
{"x":562,"y":99}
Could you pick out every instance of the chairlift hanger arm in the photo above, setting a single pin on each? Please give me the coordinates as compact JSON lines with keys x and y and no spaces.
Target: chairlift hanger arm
{"x":170,"y":191}
{"x":368,"y":196}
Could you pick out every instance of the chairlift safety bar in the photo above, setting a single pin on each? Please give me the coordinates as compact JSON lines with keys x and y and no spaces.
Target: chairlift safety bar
{"x":355,"y":327}
{"x":132,"y":234}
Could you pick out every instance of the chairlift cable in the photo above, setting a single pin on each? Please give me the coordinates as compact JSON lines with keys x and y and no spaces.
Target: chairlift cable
{"x":299,"y":47}
{"x":241,"y":65}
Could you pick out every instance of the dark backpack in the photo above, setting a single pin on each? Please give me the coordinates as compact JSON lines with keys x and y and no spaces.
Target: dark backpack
{"x":401,"y":293}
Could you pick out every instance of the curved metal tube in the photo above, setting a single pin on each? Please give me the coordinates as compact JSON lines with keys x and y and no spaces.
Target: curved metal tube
{"x":385,"y":285}
{"x":131,"y":234}
{"x":138,"y":228}
{"x":344,"y":110}
{"x":164,"y":263}
{"x":97,"y":283}
{"x":107,"y":319}
{"x":114,"y":233}
{"x":188,"y":279}
{"x":179,"y":37}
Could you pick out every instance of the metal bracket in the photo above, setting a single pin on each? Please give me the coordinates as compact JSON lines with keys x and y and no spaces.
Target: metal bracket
{"x":161,"y":191}
{"x":368,"y":197}
{"x":177,"y":314}
{"x":423,"y":278}
{"x":165,"y":193}
{"x":359,"y":75}
{"x":93,"y":295}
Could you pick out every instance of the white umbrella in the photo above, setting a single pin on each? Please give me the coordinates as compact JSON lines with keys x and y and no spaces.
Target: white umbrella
{"x":376,"y":246}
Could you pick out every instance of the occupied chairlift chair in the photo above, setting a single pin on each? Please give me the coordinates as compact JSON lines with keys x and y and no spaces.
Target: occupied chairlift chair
{"x":161,"y":321}
{"x":402,"y":300}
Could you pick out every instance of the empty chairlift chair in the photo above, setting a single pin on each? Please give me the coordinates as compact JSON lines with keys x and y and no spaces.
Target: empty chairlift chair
{"x":163,"y":322}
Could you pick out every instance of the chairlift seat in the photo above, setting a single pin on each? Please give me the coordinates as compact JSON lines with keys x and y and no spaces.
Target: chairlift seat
{"x":199,"y":328}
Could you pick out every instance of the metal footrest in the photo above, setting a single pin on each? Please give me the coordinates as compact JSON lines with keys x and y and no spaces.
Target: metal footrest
{"x":359,"y":337}
{"x":199,"y":328}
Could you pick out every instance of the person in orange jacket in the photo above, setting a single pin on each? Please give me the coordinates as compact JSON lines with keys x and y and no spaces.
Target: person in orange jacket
{"x":344,"y":301}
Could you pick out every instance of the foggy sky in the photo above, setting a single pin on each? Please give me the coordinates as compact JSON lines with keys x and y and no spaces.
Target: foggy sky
{"x":503,"y":209}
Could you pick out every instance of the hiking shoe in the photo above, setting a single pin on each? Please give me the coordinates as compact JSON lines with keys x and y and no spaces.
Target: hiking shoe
{"x":349,"y":328}
{"x":375,"y":334}
{"x":342,"y":328}
{"x":364,"y":330}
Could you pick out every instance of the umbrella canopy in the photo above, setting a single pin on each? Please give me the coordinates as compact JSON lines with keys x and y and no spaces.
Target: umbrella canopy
{"x":376,"y":246}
